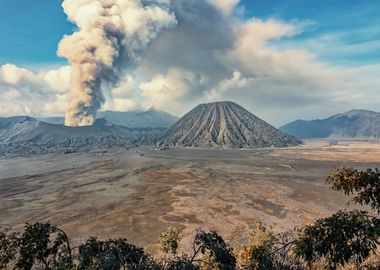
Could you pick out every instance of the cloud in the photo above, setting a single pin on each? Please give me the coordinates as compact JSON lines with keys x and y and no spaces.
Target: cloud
{"x":59,"y":79}
{"x":226,"y":6}
{"x":23,"y":91}
{"x":201,"y":32}
{"x":10,"y":95}
{"x":273,"y":78}
{"x":16,"y":109}
{"x":55,"y":105}
{"x":351,"y":47}
{"x":11,"y":74}
{"x":174,"y":89}
{"x":121,"y":104}
{"x":126,"y":88}
{"x":230,"y":86}
{"x":233,"y":60}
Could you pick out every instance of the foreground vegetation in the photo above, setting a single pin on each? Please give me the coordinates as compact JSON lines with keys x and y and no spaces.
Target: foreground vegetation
{"x":345,"y":239}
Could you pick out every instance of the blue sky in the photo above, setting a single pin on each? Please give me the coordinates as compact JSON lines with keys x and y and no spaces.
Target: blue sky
{"x":31,"y":30}
{"x":342,"y":32}
{"x":345,"y":32}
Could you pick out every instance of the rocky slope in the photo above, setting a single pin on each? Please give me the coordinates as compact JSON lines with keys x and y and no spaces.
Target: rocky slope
{"x":223,"y":125}
{"x":21,"y":136}
{"x":358,"y":124}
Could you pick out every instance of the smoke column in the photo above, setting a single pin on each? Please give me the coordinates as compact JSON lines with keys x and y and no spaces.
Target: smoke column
{"x":110,"y":36}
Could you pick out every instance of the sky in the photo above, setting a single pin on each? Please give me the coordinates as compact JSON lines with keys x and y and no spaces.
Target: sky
{"x":281,"y":59}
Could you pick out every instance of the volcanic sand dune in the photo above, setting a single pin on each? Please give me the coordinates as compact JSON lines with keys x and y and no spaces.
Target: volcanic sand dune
{"x":137,"y":194}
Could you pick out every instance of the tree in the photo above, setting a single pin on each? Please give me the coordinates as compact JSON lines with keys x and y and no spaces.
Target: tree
{"x":8,"y":247}
{"x":341,"y":238}
{"x":265,"y":250}
{"x":112,"y":255}
{"x":256,"y":254}
{"x":181,"y":263}
{"x":169,"y":241}
{"x":217,"y":254}
{"x":345,"y":236}
{"x":43,"y":244}
{"x":365,"y":185}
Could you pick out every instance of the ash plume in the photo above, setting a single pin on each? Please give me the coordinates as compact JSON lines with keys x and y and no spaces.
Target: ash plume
{"x":110,"y":36}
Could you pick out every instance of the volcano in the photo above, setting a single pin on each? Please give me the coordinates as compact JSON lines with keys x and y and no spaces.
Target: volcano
{"x":24,"y":136}
{"x":223,"y":125}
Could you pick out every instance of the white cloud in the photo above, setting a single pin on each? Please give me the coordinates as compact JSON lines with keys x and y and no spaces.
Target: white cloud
{"x":59,"y":79}
{"x":125,"y":89}
{"x":252,"y":52}
{"x":226,"y":6}
{"x":38,"y":93}
{"x":170,"y":91}
{"x":120,"y":104}
{"x":44,"y":93}
{"x":229,"y":86}
{"x":16,"y":109}
{"x":10,"y":95}
{"x":13,"y":75}
{"x":271,"y":79}
{"x":55,"y":106}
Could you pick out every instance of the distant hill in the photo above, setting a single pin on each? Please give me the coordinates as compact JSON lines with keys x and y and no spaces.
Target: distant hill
{"x":23,"y":135}
{"x":151,"y":118}
{"x":58,"y":120}
{"x":361,"y":124}
{"x":223,"y":125}
{"x":140,"y":119}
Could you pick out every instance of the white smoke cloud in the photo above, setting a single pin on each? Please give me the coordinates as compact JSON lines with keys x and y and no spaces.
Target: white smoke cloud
{"x":111,"y":35}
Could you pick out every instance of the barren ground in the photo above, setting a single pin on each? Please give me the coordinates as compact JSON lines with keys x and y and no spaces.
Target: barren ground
{"x":139,"y":193}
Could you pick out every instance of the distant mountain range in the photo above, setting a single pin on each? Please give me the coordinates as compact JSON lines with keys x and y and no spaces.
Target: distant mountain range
{"x":223,"y":125}
{"x":359,"y":124}
{"x":151,"y":118}
{"x":213,"y":125}
{"x":23,"y":135}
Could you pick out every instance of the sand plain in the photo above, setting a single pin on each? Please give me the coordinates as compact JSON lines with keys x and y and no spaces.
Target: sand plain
{"x":139,"y":193}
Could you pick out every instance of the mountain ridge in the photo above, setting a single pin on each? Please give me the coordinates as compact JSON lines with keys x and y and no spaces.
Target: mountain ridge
{"x":356,"y":123}
{"x":140,"y":119}
{"x":223,"y":125}
{"x":23,"y":136}
{"x":151,"y":118}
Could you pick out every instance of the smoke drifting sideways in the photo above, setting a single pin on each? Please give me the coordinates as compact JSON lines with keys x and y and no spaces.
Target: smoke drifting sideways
{"x":111,"y":34}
